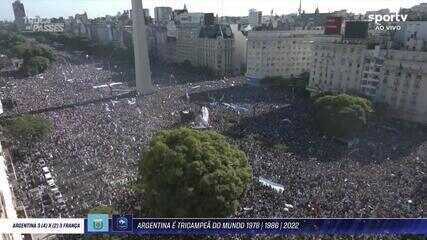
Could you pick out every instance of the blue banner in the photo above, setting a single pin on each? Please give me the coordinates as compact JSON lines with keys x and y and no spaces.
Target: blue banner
{"x":125,"y":224}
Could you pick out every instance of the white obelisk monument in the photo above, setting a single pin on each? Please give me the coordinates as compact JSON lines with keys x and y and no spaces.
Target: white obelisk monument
{"x":144,"y":85}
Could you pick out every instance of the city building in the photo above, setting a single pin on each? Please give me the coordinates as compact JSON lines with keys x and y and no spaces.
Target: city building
{"x":102,"y":32}
{"x":312,"y":21}
{"x":162,"y":15}
{"x":7,"y":198}
{"x":172,"y":29}
{"x":255,"y":18}
{"x":206,"y":46}
{"x":177,"y":12}
{"x":416,"y":13}
{"x":126,"y":36}
{"x":412,"y":36}
{"x":421,"y":8}
{"x":186,"y":44}
{"x":148,"y":19}
{"x":342,"y":13}
{"x":146,"y":13}
{"x":234,"y":20}
{"x":378,"y":12}
{"x":82,"y":25}
{"x":209,"y":19}
{"x":282,"y":53}
{"x":19,"y":13}
{"x":160,"y":45}
{"x":190,"y":18}
{"x":336,"y":67}
{"x":397,"y":78}
{"x":216,"y":48}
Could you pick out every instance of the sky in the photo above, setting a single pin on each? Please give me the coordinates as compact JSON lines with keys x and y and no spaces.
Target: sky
{"x":97,"y":8}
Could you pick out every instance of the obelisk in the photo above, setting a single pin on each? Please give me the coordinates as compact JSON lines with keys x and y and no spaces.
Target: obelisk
{"x":144,"y":86}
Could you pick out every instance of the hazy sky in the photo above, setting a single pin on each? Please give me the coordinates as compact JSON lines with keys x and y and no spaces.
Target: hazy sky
{"x":95,"y":8}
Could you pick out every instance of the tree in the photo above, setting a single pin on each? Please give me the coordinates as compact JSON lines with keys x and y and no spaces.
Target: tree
{"x":188,"y":173}
{"x":28,"y":127}
{"x":28,"y":50}
{"x":19,"y":49}
{"x":8,"y":40}
{"x":35,"y":65}
{"x":342,"y":115}
{"x":41,"y":39}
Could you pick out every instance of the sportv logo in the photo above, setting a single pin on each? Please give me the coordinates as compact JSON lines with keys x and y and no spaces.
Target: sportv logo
{"x":380,"y":19}
{"x":388,"y":18}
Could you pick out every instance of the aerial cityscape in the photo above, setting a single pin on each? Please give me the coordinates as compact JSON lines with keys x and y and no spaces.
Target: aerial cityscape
{"x":317,"y":113}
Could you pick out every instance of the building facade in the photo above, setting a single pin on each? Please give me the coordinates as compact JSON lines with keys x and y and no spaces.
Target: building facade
{"x":336,"y":67}
{"x":187,"y":40}
{"x":7,"y":198}
{"x":397,"y":78}
{"x":187,"y":18}
{"x":412,"y":36}
{"x":146,"y":13}
{"x":255,"y":18}
{"x":162,"y":15}
{"x":206,"y":46}
{"x":281,"y":53}
{"x":102,"y":32}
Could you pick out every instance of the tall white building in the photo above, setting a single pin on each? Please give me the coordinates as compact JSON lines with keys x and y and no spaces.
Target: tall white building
{"x":397,"y":78}
{"x":207,"y":46}
{"x":187,"y":40}
{"x":336,"y":67}
{"x":412,"y":36}
{"x":281,"y":53}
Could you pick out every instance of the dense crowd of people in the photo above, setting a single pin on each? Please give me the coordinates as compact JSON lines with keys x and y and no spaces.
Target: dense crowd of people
{"x":63,"y":83}
{"x":93,"y":151}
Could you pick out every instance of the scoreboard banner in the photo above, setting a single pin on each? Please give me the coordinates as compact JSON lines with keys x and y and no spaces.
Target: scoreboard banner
{"x":125,"y":224}
{"x":42,"y":226}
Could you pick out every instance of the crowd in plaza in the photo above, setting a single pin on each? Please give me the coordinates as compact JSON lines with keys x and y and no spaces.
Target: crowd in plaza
{"x":64,"y":83}
{"x":93,"y":151}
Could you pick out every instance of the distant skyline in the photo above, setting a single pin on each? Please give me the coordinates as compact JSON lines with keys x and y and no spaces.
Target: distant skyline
{"x":97,"y":8}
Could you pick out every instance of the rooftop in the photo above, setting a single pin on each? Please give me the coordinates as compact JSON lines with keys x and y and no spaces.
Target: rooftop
{"x":216,"y":31}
